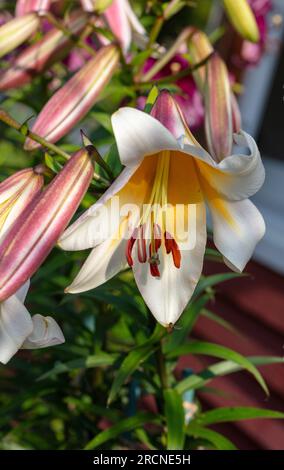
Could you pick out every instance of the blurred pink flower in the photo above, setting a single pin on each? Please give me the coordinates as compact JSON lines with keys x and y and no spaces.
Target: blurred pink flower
{"x":251,"y":53}
{"x":188,"y":98}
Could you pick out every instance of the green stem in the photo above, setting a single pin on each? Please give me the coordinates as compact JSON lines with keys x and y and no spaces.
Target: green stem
{"x":155,"y":31}
{"x":161,"y":367}
{"x":152,"y":39}
{"x":77,"y":40}
{"x":24,"y":130}
{"x":173,"y":78}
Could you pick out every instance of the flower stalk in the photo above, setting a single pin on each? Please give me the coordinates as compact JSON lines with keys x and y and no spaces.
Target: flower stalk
{"x":24,"y":130}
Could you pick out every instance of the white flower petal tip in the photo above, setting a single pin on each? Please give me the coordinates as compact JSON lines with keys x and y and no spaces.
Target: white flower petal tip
{"x":237,"y":236}
{"x":46,"y":332}
{"x":138,"y":134}
{"x":15,"y":327}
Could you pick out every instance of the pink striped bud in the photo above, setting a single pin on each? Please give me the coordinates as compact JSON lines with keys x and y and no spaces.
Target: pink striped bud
{"x":38,"y":228}
{"x":52,"y":47}
{"x":72,"y":102}
{"x":167,"y":111}
{"x":16,"y":193}
{"x":16,"y":31}
{"x":28,"y":6}
{"x":120,"y":17}
{"x":218,"y":105}
{"x":199,"y":48}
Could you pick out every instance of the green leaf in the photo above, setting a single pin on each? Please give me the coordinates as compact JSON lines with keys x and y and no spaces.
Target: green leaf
{"x":175,"y":419}
{"x":216,"y":350}
{"x":134,"y":359}
{"x":219,"y":441}
{"x":221,"y":321}
{"x":97,"y":360}
{"x":210,"y":281}
{"x":185,"y":324}
{"x":125,"y":425}
{"x":51,"y":163}
{"x":112,"y":159}
{"x":196,"y":381}
{"x":223,"y":415}
{"x":103,"y":119}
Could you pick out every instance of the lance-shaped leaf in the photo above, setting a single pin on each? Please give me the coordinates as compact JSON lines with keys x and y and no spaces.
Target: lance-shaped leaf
{"x":16,"y":193}
{"x":27,"y":6}
{"x":16,"y":31}
{"x":36,"y":231}
{"x":243,"y":19}
{"x":218,"y":103}
{"x":199,"y":48}
{"x":38,"y":57}
{"x":70,"y":104}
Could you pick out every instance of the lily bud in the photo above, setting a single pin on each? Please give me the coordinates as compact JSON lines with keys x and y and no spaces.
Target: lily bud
{"x":97,"y":6}
{"x":167,"y":111}
{"x":243,"y":19}
{"x":70,"y":104}
{"x":52,"y":47}
{"x":16,"y":31}
{"x":120,"y":18}
{"x":37,"y":229}
{"x":16,"y":193}
{"x":237,"y":118}
{"x":199,"y":48}
{"x":27,"y":6}
{"x":218,"y":104}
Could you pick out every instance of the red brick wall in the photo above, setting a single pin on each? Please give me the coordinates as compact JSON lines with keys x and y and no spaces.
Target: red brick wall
{"x":255,"y":306}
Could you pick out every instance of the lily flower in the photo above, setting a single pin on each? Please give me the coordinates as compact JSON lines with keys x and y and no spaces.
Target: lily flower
{"x":36,"y":58}
{"x":16,"y":31}
{"x":37,"y":229}
{"x":71,"y":102}
{"x":121,"y":19}
{"x":18,"y":330}
{"x":16,"y":193}
{"x":27,"y":6}
{"x":169,"y":172}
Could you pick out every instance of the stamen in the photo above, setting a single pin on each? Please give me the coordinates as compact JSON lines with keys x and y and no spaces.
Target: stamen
{"x":157,"y":235}
{"x":172,"y":247}
{"x":141,"y":244}
{"x":129,"y":247}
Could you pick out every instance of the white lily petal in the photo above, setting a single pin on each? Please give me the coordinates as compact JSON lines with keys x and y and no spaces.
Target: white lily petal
{"x":83,"y":233}
{"x":237,"y":176}
{"x":22,"y":292}
{"x":237,"y":227}
{"x":104,"y":262}
{"x":168,"y":295}
{"x":15,"y":326}
{"x":132,"y":18}
{"x":138,"y":134}
{"x":46,"y":332}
